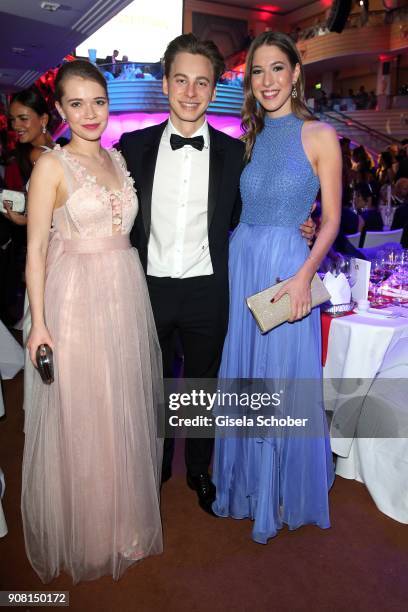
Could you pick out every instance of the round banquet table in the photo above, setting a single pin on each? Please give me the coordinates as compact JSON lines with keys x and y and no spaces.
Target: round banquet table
{"x":357,"y":353}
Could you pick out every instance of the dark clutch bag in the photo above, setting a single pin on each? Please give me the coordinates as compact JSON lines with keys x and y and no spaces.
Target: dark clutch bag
{"x":45,"y":363}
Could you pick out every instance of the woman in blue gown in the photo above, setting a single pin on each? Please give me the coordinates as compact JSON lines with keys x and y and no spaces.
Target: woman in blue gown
{"x":284,"y":478}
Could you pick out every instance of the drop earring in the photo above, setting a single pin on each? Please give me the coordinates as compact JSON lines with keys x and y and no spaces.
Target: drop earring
{"x":294,"y":91}
{"x":44,"y":129}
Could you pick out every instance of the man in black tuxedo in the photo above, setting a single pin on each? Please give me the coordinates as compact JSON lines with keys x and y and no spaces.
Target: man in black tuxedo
{"x":187,"y":177}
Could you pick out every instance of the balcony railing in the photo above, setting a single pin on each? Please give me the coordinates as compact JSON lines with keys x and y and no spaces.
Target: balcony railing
{"x":373,"y":129}
{"x":381,"y":31}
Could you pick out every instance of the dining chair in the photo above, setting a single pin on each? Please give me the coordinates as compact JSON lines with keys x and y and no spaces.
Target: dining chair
{"x":373,"y":239}
{"x":354,"y":239}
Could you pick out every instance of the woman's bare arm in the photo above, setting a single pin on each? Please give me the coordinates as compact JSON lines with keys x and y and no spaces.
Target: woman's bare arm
{"x":322,"y":143}
{"x":42,"y":195}
{"x":326,"y":149}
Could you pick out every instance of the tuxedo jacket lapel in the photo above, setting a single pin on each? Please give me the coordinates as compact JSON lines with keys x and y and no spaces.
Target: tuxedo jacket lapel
{"x":215,"y":173}
{"x":149,"y":159}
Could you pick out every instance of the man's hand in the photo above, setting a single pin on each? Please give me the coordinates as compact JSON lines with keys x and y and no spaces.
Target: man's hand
{"x":308,"y":228}
{"x":15,"y":217}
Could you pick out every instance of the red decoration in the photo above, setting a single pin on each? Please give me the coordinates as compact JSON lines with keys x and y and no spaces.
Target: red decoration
{"x":272,"y":8}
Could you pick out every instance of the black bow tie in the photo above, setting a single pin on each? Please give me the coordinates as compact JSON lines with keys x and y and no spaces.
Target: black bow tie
{"x":177,"y":142}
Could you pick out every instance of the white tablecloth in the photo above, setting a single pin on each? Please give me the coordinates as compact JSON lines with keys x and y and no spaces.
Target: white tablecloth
{"x":11,"y":358}
{"x":358,"y":347}
{"x":11,"y":362}
{"x":358,"y":344}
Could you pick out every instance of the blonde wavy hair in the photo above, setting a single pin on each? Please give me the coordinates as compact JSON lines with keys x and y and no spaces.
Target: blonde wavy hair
{"x":253,"y":114}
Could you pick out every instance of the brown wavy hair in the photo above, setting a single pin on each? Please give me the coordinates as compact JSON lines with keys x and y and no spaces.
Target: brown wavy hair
{"x":253,"y":114}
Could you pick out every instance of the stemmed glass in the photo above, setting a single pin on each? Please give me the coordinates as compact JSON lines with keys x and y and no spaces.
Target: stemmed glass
{"x":401,"y":277}
{"x":378,"y":274}
{"x":344,"y":266}
{"x":392,"y":258}
{"x":404,"y":256}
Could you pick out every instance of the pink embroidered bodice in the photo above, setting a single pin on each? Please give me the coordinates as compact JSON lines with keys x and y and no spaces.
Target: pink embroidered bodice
{"x":91,"y":210}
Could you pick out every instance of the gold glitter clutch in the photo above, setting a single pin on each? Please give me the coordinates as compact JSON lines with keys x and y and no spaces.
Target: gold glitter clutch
{"x":268,"y":314}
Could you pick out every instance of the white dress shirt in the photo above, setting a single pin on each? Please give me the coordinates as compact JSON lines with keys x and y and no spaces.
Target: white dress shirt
{"x":178,"y":243}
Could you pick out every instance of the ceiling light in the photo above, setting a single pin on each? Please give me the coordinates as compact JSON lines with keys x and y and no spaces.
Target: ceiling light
{"x":50,"y":6}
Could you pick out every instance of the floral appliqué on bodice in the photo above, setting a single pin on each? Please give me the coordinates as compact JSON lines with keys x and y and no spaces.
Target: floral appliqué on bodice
{"x":91,"y":209}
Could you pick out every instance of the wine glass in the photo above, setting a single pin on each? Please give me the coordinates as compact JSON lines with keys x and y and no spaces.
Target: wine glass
{"x":401,"y":282}
{"x":344,"y":265}
{"x":404,"y":256}
{"x":378,"y":274}
{"x":392,"y":257}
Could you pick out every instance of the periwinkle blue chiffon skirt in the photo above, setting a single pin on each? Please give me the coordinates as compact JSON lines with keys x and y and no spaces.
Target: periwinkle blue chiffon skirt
{"x":279,"y":479}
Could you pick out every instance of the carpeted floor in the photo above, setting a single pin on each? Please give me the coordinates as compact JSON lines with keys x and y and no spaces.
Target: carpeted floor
{"x":360,"y":564}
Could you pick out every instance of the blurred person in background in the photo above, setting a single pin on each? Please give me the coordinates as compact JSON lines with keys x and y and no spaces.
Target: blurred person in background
{"x":347,"y":167}
{"x":400,"y":219}
{"x":363,"y":165}
{"x":395,"y":149}
{"x":349,"y":222}
{"x":370,"y":219}
{"x":385,"y":170}
{"x":402,"y":171}
{"x":29,"y":120}
{"x":372,"y":100}
{"x":113,"y":60}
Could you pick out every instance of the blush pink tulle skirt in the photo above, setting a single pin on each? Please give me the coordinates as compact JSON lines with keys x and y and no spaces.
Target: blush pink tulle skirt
{"x":92,"y":459}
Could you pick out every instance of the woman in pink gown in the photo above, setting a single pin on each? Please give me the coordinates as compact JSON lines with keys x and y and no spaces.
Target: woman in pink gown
{"x":92,"y":459}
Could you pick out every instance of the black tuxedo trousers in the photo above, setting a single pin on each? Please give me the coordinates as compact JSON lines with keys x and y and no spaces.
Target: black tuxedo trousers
{"x":194,"y":309}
